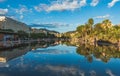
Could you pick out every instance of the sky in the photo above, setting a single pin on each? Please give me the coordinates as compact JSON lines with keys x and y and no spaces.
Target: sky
{"x":60,"y":15}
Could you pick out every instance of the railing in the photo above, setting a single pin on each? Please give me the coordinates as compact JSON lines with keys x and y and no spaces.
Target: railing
{"x":13,"y":43}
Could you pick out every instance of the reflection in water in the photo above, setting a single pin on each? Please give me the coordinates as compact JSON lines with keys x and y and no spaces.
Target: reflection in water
{"x":7,"y":55}
{"x":92,"y":73}
{"x":60,"y":70}
{"x":103,"y":53}
{"x":109,"y":72}
{"x":53,"y":59}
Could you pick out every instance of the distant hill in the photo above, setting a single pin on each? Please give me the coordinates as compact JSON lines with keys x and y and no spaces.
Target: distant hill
{"x":34,"y":30}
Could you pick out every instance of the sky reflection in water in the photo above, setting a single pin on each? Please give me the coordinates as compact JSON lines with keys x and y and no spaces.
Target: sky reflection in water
{"x":60,"y":60}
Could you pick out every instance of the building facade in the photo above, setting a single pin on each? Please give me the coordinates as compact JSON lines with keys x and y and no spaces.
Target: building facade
{"x":8,"y":23}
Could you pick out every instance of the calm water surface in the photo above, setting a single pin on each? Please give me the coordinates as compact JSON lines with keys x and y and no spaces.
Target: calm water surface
{"x":58,"y":60}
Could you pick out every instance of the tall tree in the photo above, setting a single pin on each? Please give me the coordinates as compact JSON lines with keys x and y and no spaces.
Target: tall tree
{"x":90,"y":24}
{"x":81,"y":30}
{"x":91,"y":21}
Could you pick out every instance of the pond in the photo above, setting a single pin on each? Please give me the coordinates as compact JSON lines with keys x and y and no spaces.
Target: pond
{"x":60,"y":60}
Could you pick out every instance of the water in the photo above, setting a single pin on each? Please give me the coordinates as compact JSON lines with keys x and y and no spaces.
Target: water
{"x":60,"y":60}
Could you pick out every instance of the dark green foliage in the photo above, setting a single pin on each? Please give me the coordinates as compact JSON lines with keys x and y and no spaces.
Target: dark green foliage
{"x":7,"y":30}
{"x":42,"y":35}
{"x":104,"y":30}
{"x":22,"y":34}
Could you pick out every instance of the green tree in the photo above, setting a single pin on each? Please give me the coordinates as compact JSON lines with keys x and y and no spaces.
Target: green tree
{"x":81,"y":30}
{"x":22,"y":34}
{"x":90,"y":24}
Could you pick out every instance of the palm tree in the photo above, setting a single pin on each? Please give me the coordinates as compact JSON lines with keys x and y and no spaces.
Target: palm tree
{"x":81,"y":30}
{"x":107,"y":25}
{"x":90,"y":24}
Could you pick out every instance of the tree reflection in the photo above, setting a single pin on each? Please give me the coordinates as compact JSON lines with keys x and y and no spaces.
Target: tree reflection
{"x":89,"y":58}
{"x":103,"y":53}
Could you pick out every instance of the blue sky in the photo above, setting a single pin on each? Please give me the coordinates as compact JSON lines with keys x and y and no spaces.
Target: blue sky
{"x":60,"y":15}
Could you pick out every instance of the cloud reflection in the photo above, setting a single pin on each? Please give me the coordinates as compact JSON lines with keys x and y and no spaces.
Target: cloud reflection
{"x":53,"y":51}
{"x":109,"y":72}
{"x":4,"y":65}
{"x":92,"y":73}
{"x":62,"y":70}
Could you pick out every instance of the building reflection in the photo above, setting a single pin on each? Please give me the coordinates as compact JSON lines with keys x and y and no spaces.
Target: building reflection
{"x":58,"y":61}
{"x":103,"y":53}
{"x":9,"y":54}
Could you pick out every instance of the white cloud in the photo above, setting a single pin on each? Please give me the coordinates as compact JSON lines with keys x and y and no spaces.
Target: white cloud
{"x":102,"y":17}
{"x":112,"y":3}
{"x":37,"y":8}
{"x":61,"y":5}
{"x":21,"y":16}
{"x":82,"y":3}
{"x":40,"y":7}
{"x":50,"y":25}
{"x":94,"y":2}
{"x":3,"y":11}
{"x":22,"y":9}
{"x":2,"y":0}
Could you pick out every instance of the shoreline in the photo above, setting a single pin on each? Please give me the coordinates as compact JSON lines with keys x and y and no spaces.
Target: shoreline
{"x":77,"y":42}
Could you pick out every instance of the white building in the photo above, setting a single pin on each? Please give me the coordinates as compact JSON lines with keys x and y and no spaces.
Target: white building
{"x":8,"y":23}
